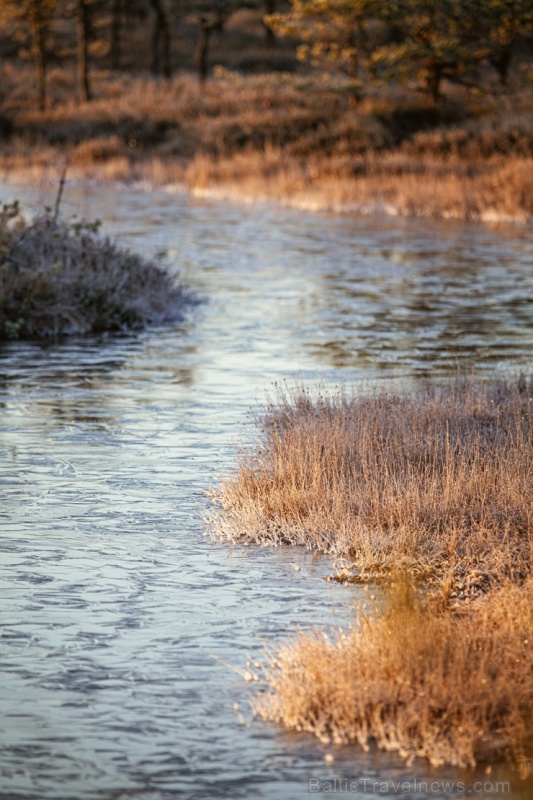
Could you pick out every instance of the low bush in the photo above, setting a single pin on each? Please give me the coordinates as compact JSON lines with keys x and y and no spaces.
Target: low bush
{"x":58,"y":278}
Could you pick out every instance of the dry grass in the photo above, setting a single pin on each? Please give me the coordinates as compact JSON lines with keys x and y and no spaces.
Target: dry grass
{"x":415,"y":679}
{"x":58,"y":279}
{"x":501,"y":190}
{"x":294,"y":139}
{"x":439,"y":482}
{"x":430,"y":490}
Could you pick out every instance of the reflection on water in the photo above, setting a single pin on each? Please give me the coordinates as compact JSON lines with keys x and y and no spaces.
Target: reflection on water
{"x":119,"y":619}
{"x":421,"y":302}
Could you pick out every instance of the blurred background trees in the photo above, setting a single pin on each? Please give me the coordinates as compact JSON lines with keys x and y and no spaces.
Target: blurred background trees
{"x":428,"y":41}
{"x":475,"y":43}
{"x":27,"y":23}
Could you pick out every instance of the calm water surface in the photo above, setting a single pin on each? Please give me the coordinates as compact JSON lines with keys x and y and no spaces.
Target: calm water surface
{"x":120,"y":621}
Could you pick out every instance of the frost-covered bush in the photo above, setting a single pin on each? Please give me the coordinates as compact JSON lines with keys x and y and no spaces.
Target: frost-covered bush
{"x":60,"y":278}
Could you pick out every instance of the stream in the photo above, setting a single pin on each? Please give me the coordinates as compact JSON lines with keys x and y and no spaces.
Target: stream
{"x":124,"y":630}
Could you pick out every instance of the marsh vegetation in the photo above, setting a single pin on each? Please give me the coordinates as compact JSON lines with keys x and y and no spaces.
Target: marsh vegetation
{"x":438,"y":482}
{"x":455,"y":688}
{"x":431,"y":492}
{"x":434,"y":121}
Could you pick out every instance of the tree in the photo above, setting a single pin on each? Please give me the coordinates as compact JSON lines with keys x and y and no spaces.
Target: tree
{"x":208,"y":24}
{"x":83,"y":29}
{"x":116,"y":32}
{"x":269,"y":7}
{"x":429,"y":40}
{"x":122,"y":13}
{"x":504,"y":24}
{"x":34,"y":16}
{"x":38,"y":19}
{"x":161,"y":39}
{"x":343,"y":33}
{"x":435,"y":40}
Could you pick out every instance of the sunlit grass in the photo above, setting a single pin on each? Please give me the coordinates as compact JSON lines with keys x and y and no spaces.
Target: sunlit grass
{"x":431,"y":494}
{"x":416,"y":679}
{"x":292,"y":139}
{"x":438,"y":482}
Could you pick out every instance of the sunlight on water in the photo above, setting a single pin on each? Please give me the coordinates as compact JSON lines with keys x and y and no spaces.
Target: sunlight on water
{"x":119,"y":619}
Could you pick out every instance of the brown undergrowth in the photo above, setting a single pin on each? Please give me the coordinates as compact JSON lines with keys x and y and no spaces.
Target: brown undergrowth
{"x":416,"y":679}
{"x":296,"y":139}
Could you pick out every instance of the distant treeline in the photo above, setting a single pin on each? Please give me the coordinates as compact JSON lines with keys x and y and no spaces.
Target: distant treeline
{"x":102,"y":31}
{"x":426,"y":40}
{"x":469,"y":42}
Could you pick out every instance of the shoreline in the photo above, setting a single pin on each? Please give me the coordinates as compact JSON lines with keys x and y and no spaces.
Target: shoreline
{"x":397,"y":486}
{"x":296,"y":141}
{"x":344,"y":195}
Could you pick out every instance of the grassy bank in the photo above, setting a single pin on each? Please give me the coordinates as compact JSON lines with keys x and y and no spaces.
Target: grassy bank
{"x":455,"y":689}
{"x":58,"y":278}
{"x":438,"y":482}
{"x":296,"y":139}
{"x":431,"y":494}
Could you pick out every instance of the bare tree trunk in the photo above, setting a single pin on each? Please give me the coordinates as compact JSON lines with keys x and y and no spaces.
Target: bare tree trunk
{"x":161,"y":40}
{"x":502,"y":63}
{"x":353,"y":59}
{"x":207,"y":27}
{"x":83,"y":27}
{"x":38,"y":50}
{"x":116,"y":30}
{"x":434,"y":80}
{"x":202,"y":47}
{"x":269,"y":7}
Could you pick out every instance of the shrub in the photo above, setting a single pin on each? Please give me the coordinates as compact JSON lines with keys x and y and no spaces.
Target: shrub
{"x":58,"y":278}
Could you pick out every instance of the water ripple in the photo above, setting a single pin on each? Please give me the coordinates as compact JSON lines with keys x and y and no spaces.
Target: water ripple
{"x":118,"y":617}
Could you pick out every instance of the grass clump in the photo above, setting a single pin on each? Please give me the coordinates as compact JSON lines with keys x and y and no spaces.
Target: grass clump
{"x":438,"y":482}
{"x":415,"y":679}
{"x":58,"y":278}
{"x":435,"y":487}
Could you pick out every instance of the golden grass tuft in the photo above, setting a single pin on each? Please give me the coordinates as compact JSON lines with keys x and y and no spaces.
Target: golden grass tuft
{"x":415,"y":679}
{"x":439,"y":482}
{"x":430,"y":490}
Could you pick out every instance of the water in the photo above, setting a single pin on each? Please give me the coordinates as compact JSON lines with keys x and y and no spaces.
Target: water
{"x":120,"y":621}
